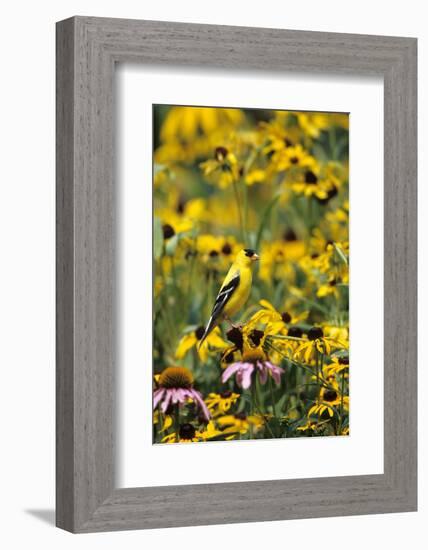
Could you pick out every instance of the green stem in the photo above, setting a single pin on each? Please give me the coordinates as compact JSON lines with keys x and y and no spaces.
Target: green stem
{"x":272,"y":397}
{"x":301,"y":365}
{"x":177,"y":421}
{"x":342,"y":389}
{"x":245,"y":192}
{"x":238,"y":205}
{"x":257,"y":404}
{"x":318,"y":373}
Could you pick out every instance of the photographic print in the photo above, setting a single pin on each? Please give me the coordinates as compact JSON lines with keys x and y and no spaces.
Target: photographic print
{"x":250,"y":274}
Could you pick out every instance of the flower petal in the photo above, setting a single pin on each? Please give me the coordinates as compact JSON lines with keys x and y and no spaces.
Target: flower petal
{"x":198,"y":398}
{"x":157,"y":396}
{"x":243,"y":377}
{"x":230,"y":371}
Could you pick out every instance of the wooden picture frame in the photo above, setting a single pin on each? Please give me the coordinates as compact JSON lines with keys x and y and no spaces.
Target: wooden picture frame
{"x":87,"y":50}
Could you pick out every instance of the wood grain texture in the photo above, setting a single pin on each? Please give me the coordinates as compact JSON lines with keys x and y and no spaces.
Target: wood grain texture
{"x":87,"y":50}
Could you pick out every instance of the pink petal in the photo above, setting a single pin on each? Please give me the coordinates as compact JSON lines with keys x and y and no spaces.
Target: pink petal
{"x":230,"y":371}
{"x":157,"y":396}
{"x":179,"y":395}
{"x":244,"y":376}
{"x":263,"y":373}
{"x":165,"y":402}
{"x":198,"y":398}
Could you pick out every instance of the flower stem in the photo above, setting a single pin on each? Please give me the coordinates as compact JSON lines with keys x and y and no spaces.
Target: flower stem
{"x":318,"y":373}
{"x":238,"y":205}
{"x":272,"y":397}
{"x":342,"y":388}
{"x":177,"y":421}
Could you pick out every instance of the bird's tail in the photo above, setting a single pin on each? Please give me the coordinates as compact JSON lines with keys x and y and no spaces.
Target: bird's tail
{"x":210,"y":326}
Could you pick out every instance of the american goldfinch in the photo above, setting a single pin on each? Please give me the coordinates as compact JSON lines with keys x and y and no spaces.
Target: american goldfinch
{"x":234,"y":291}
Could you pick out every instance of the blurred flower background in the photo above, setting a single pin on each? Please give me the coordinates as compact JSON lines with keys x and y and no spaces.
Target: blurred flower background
{"x":273,"y":181}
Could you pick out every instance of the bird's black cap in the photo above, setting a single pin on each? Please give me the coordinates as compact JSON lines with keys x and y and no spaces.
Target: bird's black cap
{"x":249,"y":252}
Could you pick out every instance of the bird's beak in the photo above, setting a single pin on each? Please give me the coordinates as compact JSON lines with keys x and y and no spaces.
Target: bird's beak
{"x":255,"y":257}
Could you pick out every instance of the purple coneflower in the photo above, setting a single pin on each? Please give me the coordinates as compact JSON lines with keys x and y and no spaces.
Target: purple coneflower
{"x":176,"y":386}
{"x":252,"y":361}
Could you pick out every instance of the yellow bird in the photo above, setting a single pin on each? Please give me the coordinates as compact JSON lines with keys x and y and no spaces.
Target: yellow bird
{"x":234,"y":291}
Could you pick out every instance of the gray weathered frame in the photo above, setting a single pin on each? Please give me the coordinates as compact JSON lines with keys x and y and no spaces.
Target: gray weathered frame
{"x":87,"y":50}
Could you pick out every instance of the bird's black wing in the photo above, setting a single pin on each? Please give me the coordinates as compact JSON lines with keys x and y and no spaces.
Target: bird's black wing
{"x":224,"y":296}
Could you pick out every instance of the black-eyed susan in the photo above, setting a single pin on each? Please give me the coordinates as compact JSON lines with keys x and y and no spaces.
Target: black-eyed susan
{"x":223,"y":169}
{"x":213,"y":342}
{"x":277,"y":321}
{"x":316,"y":342}
{"x":240,"y":423}
{"x":186,"y":123}
{"x":338,"y":365}
{"x":220,"y":403}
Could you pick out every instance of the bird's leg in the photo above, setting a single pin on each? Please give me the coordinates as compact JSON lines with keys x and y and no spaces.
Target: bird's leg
{"x":232,"y":324}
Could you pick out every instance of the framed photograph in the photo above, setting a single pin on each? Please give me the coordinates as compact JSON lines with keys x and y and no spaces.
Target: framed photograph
{"x":236,"y":274}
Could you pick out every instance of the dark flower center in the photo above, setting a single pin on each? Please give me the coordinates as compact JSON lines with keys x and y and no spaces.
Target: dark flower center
{"x":235,"y":336}
{"x":310,"y":177}
{"x":287,"y":142}
{"x":168,"y":231}
{"x":343,"y":360}
{"x":176,"y":377}
{"x":256,"y":336}
{"x":331,"y":193}
{"x":227,"y":249}
{"x":294,"y":160}
{"x":180,"y":205}
{"x":290,"y":236}
{"x":314,"y":256}
{"x":213,"y":254}
{"x":199,"y":332}
{"x":314,"y":333}
{"x":241,"y":416}
{"x":226,"y":394}
{"x":333,"y":282}
{"x":187,"y":431}
{"x":220,"y":153}
{"x":330,"y":395}
{"x":295,"y":332}
{"x":228,"y":357}
{"x":286,"y":317}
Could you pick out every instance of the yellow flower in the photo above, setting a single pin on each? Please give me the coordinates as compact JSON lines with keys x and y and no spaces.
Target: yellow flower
{"x":329,"y":289}
{"x":217,"y":248}
{"x":312,"y":123}
{"x":277,"y":322}
{"x":292,"y":158}
{"x":240,"y":423}
{"x":220,"y":403}
{"x":223,"y":169}
{"x":186,"y":123}
{"x":276,"y":257}
{"x":256,"y":175}
{"x":214,"y":341}
{"x":167,"y":421}
{"x":337,"y":366}
{"x":316,"y":342}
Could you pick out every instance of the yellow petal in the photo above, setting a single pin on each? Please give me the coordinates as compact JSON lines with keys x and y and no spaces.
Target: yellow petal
{"x":186,"y":343}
